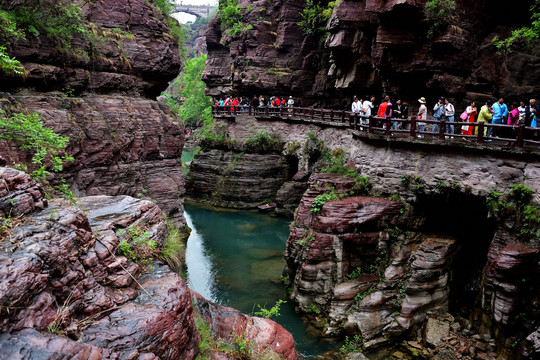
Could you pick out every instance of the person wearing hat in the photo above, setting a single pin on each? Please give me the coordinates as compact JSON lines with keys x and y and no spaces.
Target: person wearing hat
{"x":290,"y":104}
{"x":422,"y":115}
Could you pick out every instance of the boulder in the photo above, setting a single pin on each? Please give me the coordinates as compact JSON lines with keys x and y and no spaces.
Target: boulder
{"x":262,"y":334}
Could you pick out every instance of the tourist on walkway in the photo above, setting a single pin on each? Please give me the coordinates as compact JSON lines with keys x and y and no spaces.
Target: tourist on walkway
{"x":438,"y":112}
{"x":261,"y":101}
{"x":290,"y":105}
{"x":449,"y":113}
{"x":397,"y":113}
{"x":356,"y":106}
{"x":422,"y":115}
{"x":521,"y":109}
{"x":500,"y":112}
{"x":367,"y":106}
{"x":484,"y":116}
{"x":532,"y":111}
{"x":255,"y":102}
{"x":383,"y":110}
{"x":513,"y":116}
{"x":471,"y":117}
{"x":405,"y":110}
{"x":244,"y":102}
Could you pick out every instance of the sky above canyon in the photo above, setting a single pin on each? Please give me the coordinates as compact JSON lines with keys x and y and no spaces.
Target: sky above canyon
{"x":184,"y":18}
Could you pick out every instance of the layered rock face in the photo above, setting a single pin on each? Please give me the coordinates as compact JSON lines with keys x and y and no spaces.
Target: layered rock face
{"x":370,"y":270}
{"x":233,"y":179}
{"x":61,"y":274}
{"x":273,"y":58}
{"x":267,"y":338}
{"x":123,"y":141}
{"x":374,"y":47}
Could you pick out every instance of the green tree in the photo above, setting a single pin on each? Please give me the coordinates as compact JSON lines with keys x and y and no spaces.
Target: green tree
{"x":9,"y":65}
{"x":197,"y":107}
{"x":178,"y":31}
{"x":315,"y":16}
{"x":440,"y":14}
{"x":526,"y":34}
{"x":28,"y":133}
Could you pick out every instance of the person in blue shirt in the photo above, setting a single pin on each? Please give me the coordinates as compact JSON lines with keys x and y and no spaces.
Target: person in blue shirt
{"x":438,"y":112}
{"x":500,"y":112}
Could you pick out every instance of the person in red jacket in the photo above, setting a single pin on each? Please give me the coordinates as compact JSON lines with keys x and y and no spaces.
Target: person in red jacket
{"x":234,"y":104}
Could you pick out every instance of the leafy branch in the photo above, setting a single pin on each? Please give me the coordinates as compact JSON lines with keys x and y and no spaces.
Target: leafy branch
{"x":28,"y":132}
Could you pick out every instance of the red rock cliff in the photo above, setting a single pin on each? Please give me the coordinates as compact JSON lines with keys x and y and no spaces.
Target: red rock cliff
{"x":373,"y":47}
{"x":123,"y":141}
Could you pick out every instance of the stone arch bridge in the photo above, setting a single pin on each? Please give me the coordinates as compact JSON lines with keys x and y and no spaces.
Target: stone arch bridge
{"x":197,"y":10}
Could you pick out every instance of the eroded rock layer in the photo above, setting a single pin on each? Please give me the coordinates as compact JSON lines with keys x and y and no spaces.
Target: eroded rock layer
{"x":373,"y":46}
{"x":367,"y":266}
{"x":267,"y":338}
{"x":61,"y":274}
{"x":101,"y":95}
{"x":233,"y":179}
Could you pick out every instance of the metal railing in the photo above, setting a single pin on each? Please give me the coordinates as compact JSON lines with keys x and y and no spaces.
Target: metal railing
{"x":513,"y":135}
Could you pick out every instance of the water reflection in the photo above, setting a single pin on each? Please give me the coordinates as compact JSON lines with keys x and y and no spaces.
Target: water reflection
{"x":235,"y":258}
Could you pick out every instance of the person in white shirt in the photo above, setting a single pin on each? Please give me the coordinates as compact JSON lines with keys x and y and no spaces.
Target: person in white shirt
{"x":356,"y":106}
{"x":449,"y":112}
{"x":366,"y":107}
{"x":290,"y":105}
{"x":521,"y":109}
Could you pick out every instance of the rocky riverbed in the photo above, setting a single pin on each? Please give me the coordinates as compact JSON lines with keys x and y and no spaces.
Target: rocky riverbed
{"x":67,"y":290}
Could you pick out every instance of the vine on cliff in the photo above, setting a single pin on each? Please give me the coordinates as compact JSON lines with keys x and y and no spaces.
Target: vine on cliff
{"x":526,"y":34}
{"x":315,"y":16}
{"x":28,"y":132}
{"x":440,"y":13}
{"x":230,"y":15}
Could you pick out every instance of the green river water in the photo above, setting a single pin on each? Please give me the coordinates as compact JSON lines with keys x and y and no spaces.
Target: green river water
{"x":235,"y":258}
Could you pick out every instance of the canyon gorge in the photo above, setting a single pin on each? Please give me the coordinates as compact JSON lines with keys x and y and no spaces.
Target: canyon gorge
{"x":404,"y":248}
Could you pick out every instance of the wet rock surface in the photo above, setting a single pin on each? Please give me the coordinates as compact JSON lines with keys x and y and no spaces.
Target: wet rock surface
{"x":263,"y":334}
{"x":237,"y":180}
{"x":61,"y":274}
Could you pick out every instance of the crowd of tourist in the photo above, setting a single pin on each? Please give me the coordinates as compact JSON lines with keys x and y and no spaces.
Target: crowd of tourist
{"x":496,"y":112}
{"x":255,"y":102}
{"x":493,"y":113}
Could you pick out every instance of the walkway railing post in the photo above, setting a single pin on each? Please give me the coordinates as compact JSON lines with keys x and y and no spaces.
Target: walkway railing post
{"x":281,"y":111}
{"x":312,"y":113}
{"x":413,"y":126}
{"x":249,"y":110}
{"x":332,"y":115}
{"x":342,"y":116}
{"x":520,"y":134}
{"x":266,"y":111}
{"x":387,"y":130}
{"x":304,"y":114}
{"x":442,"y":129}
{"x":351,"y":121}
{"x":322,"y":114}
{"x":370,"y":124}
{"x":480,"y":137}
